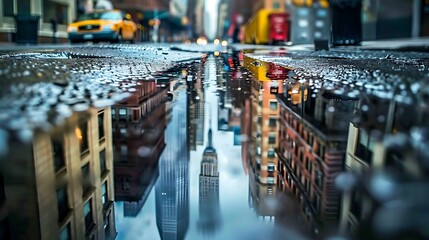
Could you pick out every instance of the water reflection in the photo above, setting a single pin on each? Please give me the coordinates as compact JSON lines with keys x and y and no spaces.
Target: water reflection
{"x":60,"y":186}
{"x":138,"y":130}
{"x":209,"y":209}
{"x":172,"y":188}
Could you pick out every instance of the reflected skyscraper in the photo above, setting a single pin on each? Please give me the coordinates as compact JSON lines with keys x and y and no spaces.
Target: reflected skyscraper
{"x":172,"y":191}
{"x":209,"y":219}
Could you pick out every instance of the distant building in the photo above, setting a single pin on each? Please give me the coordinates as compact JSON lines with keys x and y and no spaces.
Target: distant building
{"x":138,"y":140}
{"x":209,"y":209}
{"x":61,"y":185}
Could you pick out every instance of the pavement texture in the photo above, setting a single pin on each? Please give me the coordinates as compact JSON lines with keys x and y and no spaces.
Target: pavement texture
{"x":386,"y":74}
{"x":39,"y":89}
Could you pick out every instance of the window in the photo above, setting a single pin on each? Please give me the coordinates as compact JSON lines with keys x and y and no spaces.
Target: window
{"x":271,"y":153}
{"x":24,"y":7}
{"x":365,"y":147}
{"x":62,"y":203}
{"x":65,"y":233}
{"x":102,"y":162}
{"x":310,"y":139}
{"x":124,"y":150}
{"x":271,"y":167}
{"x":104,"y":197}
{"x":122,"y":114}
{"x":273,"y":105}
{"x":123,"y":132}
{"x":309,"y":165}
{"x":276,"y":5}
{"x":355,"y":207}
{"x":307,"y":186}
{"x":86,"y":180}
{"x":270,"y":180}
{"x":101,"y":125}
{"x":272,"y":138}
{"x":87,"y":212}
{"x":316,"y":203}
{"x":58,"y":154}
{"x":136,"y":114}
{"x":55,"y":11}
{"x":272,"y":122}
{"x":8,"y":8}
{"x":82,"y":136}
{"x":319,"y":179}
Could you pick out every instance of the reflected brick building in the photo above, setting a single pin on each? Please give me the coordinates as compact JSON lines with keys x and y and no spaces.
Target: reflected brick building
{"x":311,"y":151}
{"x":61,"y":185}
{"x":138,"y":140}
{"x":264,"y":125}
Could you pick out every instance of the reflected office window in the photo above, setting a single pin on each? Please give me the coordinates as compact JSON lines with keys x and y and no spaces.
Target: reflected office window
{"x":101,"y":125}
{"x":122,"y":114}
{"x":365,"y":147}
{"x":87,"y":212}
{"x":271,"y":167}
{"x":82,"y":136}
{"x":58,"y":154}
{"x":86,"y":179}
{"x":103,"y":164}
{"x":271,"y":153}
{"x":65,"y":233}
{"x":104,"y":197}
{"x":273,"y":104}
{"x":272,"y":122}
{"x":272,"y":138}
{"x":62,"y":203}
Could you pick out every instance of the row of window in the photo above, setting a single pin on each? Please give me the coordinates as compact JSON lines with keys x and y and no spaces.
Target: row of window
{"x":306,"y":135}
{"x":64,"y":208}
{"x":137,"y":113}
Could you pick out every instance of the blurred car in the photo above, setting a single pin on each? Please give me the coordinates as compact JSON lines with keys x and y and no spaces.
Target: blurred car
{"x":112,"y":26}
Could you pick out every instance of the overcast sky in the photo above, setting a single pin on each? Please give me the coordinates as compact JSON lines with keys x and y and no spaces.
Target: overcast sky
{"x":210,"y":18}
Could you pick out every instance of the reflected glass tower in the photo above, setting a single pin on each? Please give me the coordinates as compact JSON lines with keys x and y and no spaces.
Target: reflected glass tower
{"x":172,"y":191}
{"x":209,"y":209}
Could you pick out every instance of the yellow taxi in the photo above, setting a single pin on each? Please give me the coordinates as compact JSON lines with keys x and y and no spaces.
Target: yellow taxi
{"x":112,"y":26}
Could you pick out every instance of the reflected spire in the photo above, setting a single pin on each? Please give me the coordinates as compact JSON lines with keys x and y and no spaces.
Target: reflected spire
{"x":210,"y":134}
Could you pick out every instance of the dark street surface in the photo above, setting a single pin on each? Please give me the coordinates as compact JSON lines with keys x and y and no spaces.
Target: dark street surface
{"x":215,"y":107}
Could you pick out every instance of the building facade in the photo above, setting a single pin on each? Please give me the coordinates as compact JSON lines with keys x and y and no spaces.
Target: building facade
{"x":62,"y":12}
{"x":312,"y":145}
{"x":61,"y":185}
{"x":138,"y":140}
